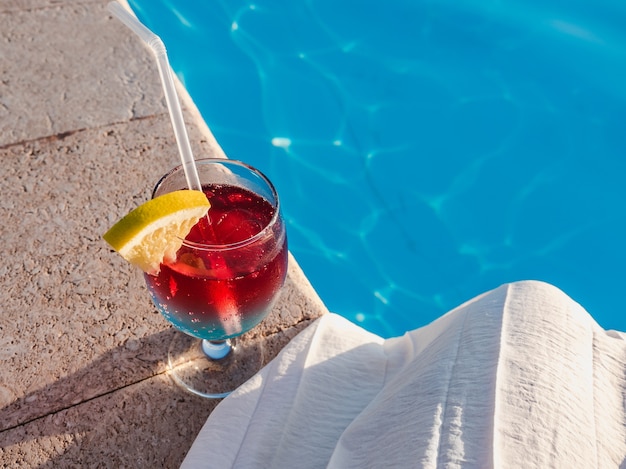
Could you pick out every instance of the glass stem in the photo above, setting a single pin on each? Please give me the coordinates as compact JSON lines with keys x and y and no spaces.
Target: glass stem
{"x":216,"y":349}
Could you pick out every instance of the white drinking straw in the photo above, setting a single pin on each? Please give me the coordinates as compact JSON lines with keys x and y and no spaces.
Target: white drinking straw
{"x":156,"y":44}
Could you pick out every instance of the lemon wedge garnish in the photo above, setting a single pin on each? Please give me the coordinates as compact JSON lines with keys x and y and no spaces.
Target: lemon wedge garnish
{"x":154,"y":231}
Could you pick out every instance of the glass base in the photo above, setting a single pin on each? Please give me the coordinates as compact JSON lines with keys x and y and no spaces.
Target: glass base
{"x":191,"y":367}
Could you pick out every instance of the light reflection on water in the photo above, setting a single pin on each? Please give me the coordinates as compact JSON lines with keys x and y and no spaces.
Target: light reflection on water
{"x":424,"y":152}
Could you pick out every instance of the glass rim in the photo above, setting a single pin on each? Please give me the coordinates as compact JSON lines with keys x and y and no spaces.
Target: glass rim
{"x":228,"y":246}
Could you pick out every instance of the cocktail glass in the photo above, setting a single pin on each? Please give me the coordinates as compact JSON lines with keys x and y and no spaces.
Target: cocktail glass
{"x":225,"y":279}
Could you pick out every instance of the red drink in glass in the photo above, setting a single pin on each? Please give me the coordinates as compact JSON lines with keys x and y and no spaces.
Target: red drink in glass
{"x":224,"y":279}
{"x":229,"y":271}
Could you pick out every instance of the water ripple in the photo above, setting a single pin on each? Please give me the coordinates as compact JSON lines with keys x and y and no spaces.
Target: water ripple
{"x":424,"y":151}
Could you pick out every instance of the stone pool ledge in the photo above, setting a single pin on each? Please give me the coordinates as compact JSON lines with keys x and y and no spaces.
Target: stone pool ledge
{"x":84,"y":134}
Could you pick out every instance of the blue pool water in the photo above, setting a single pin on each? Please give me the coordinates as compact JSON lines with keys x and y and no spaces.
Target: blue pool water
{"x":424,"y":151}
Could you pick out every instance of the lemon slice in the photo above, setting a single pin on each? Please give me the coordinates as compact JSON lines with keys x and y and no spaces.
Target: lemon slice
{"x":154,"y":231}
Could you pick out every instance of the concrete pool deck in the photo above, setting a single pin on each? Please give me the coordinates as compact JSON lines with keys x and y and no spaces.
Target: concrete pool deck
{"x":84,"y":136}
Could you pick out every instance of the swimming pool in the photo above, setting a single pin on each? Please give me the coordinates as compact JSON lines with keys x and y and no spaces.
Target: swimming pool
{"x":424,"y":151}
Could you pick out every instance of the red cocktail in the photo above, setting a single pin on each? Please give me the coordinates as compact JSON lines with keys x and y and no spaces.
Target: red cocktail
{"x":224,"y":279}
{"x":227,"y":274}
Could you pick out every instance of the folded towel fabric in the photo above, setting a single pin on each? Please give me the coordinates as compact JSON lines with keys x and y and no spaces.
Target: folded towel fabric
{"x":521,"y":376}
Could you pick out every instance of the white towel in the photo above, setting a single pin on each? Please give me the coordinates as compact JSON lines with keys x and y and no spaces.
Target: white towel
{"x":521,"y":376}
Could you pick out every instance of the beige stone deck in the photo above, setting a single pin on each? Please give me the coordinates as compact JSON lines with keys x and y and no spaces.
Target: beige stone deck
{"x":84,"y":135}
